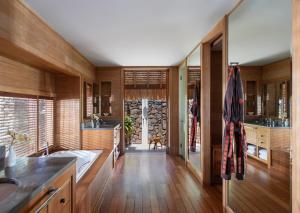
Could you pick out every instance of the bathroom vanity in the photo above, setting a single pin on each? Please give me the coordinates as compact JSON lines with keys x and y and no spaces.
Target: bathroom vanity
{"x":263,"y":140}
{"x":38,"y":185}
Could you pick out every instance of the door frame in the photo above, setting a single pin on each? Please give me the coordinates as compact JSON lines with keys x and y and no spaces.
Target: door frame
{"x":220,"y":30}
{"x":185,"y":145}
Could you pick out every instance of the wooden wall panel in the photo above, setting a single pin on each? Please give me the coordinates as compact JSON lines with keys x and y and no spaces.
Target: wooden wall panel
{"x":114,"y":76}
{"x":26,"y":37}
{"x":173,"y":111}
{"x":295,"y":107}
{"x":98,"y":139}
{"x":280,"y":70}
{"x":20,"y":78}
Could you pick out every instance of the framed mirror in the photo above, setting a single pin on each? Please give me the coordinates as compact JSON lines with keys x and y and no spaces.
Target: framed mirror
{"x":193,"y":111}
{"x":88,"y":99}
{"x":259,"y":38}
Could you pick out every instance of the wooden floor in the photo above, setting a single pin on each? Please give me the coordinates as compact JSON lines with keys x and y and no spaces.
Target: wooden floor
{"x":156,"y":182}
{"x":263,"y":190}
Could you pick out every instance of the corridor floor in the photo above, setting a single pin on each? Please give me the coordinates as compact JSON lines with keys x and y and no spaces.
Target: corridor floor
{"x":157,"y":182}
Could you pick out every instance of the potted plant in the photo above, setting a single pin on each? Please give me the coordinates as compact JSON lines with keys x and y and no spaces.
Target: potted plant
{"x":128,"y":125}
{"x":15,"y":137}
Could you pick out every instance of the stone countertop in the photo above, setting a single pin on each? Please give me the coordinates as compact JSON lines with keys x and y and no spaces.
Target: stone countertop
{"x":33,"y":174}
{"x":107,"y":125}
{"x":262,"y":125}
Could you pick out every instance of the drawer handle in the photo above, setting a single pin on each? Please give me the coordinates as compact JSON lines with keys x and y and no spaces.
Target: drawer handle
{"x":51,"y":193}
{"x":62,"y":201}
{"x":262,"y":136}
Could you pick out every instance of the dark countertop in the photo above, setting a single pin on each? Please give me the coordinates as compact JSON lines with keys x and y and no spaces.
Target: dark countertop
{"x":263,"y":125}
{"x":32,"y":174}
{"x":106,"y":125}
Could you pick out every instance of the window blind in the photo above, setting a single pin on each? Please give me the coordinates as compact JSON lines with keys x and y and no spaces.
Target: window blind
{"x":19,"y":114}
{"x":68,"y":134}
{"x":46,"y":123}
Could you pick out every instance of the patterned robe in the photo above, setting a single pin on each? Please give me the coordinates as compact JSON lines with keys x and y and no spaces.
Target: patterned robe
{"x":234,"y":132}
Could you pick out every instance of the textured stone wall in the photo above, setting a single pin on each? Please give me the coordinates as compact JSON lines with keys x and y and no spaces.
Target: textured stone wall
{"x":157,"y":119}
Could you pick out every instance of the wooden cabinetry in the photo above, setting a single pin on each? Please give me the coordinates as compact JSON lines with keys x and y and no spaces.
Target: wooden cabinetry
{"x":57,"y":197}
{"x":259,"y":137}
{"x":269,"y":139}
{"x":103,"y":139}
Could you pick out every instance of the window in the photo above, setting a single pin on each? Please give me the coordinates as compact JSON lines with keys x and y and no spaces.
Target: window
{"x":46,"y":122}
{"x":21,"y":114}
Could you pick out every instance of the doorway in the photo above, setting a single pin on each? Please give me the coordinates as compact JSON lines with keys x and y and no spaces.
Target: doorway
{"x":146,"y":111}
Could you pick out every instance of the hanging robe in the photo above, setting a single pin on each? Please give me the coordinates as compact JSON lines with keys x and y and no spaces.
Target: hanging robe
{"x":234,"y":132}
{"x":195,"y":110}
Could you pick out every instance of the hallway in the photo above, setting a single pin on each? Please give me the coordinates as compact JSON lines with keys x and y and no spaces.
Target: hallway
{"x":156,"y":182}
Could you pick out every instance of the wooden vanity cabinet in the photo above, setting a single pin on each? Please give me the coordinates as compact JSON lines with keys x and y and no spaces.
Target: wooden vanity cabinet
{"x":268,"y":138}
{"x":102,"y":139}
{"x":57,"y":197}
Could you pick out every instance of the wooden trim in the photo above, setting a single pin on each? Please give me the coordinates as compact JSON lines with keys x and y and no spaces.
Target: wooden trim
{"x":295,"y":106}
{"x":220,"y":30}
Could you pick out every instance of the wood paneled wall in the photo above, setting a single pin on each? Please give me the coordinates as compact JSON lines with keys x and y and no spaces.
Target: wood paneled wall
{"x":26,"y":37}
{"x":23,"y":79}
{"x":280,"y":70}
{"x":295,"y":107}
{"x":173,"y":111}
{"x":113,"y":74}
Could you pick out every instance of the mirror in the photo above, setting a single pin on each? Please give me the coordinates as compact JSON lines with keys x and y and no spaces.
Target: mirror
{"x":193,"y":102}
{"x":106,"y":98}
{"x":260,"y":39}
{"x":88,"y":97}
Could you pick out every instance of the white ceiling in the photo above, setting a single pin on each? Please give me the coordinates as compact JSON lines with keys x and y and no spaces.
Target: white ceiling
{"x":195,"y":58}
{"x":260,"y":32}
{"x":133,"y":32}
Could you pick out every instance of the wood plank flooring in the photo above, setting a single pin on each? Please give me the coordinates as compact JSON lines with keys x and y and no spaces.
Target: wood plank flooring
{"x":263,"y":190}
{"x":157,"y":182}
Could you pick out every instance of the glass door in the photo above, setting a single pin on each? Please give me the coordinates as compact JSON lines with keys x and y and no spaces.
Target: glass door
{"x":183,"y":110}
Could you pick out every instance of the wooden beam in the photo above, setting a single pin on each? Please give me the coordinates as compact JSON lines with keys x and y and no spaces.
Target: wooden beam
{"x":25,"y":37}
{"x":295,"y":145}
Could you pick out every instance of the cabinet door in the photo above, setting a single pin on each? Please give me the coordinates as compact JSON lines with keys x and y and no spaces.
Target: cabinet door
{"x":61,"y":203}
{"x":251,"y":134}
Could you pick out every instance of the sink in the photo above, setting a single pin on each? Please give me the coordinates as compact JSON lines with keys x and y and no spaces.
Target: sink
{"x":8,"y":187}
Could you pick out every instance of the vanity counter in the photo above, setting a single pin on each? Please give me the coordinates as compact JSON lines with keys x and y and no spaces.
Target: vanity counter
{"x":33,"y":176}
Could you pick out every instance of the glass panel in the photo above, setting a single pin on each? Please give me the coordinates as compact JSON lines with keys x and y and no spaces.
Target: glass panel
{"x":193,"y":84}
{"x":259,"y":39}
{"x":183,"y":110}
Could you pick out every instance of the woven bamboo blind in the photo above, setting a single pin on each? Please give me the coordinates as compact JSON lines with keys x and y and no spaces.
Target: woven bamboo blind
{"x":67,"y":126}
{"x":145,"y":84}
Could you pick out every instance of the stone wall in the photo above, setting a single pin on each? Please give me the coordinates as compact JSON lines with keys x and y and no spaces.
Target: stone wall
{"x":157,"y":119}
{"x":135,"y":109}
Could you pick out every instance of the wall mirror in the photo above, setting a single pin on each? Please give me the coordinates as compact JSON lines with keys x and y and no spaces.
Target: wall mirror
{"x":88,"y":100}
{"x":193,"y":103}
{"x":260,"y":39}
{"x":106,"y":98}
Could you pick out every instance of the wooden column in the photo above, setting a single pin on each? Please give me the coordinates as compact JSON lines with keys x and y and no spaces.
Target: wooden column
{"x":295,"y":107}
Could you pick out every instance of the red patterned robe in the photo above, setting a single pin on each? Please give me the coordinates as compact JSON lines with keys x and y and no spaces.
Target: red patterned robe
{"x":234,"y":132}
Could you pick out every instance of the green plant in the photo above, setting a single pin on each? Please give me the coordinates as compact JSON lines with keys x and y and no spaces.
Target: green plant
{"x":128,"y":125}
